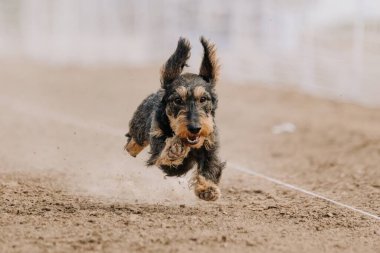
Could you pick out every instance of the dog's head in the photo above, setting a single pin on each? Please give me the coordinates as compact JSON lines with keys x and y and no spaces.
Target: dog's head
{"x":190,"y":99}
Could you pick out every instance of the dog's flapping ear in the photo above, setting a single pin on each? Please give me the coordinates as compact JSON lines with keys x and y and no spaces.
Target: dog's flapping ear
{"x":209,"y":70}
{"x":175,"y":64}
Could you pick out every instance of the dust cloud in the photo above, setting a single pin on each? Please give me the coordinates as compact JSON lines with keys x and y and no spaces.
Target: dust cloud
{"x":88,"y":157}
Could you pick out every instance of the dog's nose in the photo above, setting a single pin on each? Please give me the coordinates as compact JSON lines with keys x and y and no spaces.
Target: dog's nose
{"x":194,"y":129}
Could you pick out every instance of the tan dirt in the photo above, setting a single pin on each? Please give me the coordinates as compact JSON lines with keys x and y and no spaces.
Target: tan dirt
{"x":66,"y":185}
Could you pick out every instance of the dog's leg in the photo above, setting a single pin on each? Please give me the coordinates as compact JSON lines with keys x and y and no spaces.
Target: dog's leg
{"x":173,"y":153}
{"x":208,"y":176}
{"x":183,"y":168}
{"x":133,"y":148}
{"x":206,"y":189}
{"x":167,"y":152}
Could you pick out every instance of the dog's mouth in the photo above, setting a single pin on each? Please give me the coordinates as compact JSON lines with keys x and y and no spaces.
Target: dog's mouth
{"x":192,"y":139}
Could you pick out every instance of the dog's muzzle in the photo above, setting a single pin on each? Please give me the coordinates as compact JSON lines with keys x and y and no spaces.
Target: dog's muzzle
{"x":192,"y":139}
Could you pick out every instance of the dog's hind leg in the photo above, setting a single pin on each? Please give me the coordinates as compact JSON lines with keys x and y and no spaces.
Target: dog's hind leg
{"x":133,"y":148}
{"x":140,"y":124}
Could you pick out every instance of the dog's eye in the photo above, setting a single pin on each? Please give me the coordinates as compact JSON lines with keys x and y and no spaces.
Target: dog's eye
{"x":203,"y":99}
{"x":178,"y":101}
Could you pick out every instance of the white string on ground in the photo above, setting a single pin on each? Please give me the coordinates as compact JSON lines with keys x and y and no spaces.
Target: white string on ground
{"x":36,"y":111}
{"x":296,"y":188}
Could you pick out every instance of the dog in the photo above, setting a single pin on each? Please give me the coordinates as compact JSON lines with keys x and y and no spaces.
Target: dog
{"x":178,"y":121}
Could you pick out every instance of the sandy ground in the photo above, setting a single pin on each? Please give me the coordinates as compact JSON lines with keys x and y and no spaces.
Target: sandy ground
{"x":67,"y":186}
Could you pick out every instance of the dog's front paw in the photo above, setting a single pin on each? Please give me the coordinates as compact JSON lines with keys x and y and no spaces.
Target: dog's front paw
{"x":211,"y":193}
{"x":177,"y":150}
{"x":206,"y":189}
{"x":174,"y":152}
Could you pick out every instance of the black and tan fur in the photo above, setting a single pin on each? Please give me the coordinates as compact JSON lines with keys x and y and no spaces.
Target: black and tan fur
{"x":178,"y":121}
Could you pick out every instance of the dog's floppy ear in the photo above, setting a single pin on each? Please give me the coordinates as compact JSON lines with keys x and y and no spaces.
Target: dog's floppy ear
{"x":175,"y":64}
{"x":209,"y":70}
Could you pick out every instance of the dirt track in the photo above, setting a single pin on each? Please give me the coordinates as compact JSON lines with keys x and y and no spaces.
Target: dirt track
{"x":66,"y":185}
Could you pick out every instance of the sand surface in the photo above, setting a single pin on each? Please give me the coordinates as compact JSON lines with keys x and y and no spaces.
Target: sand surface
{"x":67,"y":186}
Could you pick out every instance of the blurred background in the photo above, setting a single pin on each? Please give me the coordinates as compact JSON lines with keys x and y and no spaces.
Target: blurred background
{"x":298,"y":102}
{"x":329,"y":48}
